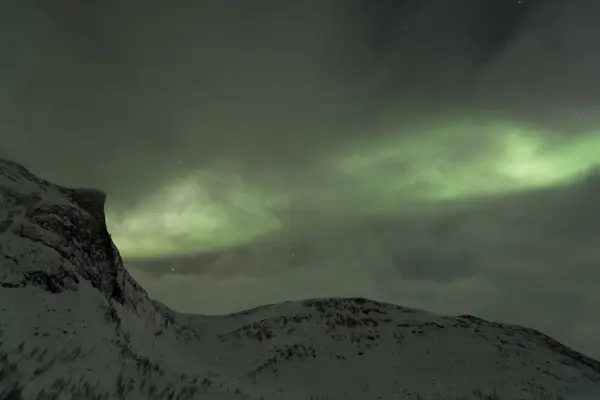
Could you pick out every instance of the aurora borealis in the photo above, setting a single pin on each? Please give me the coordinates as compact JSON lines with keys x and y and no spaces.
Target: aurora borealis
{"x":394,"y":174}
{"x":441,"y":155}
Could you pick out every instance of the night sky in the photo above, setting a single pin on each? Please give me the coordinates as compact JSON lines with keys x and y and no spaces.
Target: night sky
{"x":436,"y":154}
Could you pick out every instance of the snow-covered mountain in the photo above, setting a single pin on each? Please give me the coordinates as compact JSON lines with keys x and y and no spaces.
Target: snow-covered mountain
{"x":75,"y":325}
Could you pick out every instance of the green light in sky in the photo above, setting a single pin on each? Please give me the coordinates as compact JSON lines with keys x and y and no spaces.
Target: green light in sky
{"x":387,"y":175}
{"x":469,"y":160}
{"x":187,"y":216}
{"x":526,"y":162}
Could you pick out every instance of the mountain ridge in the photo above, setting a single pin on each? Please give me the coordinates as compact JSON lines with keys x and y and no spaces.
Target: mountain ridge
{"x":74,"y":324}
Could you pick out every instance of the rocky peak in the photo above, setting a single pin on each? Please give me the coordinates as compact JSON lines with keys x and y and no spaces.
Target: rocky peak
{"x":52,"y":237}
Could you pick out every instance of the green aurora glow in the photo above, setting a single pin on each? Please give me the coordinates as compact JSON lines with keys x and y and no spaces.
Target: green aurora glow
{"x":445,"y":163}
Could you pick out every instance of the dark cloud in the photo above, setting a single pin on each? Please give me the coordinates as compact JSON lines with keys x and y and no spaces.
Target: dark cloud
{"x":138,"y":84}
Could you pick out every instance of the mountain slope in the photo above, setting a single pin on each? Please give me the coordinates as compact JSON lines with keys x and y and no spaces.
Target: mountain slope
{"x":74,"y":324}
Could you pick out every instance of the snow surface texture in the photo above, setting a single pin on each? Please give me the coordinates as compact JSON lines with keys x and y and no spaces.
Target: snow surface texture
{"x":75,"y":325}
